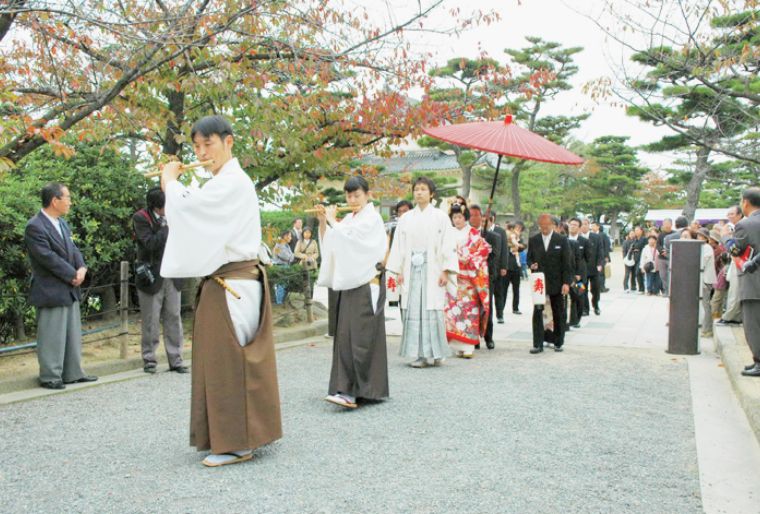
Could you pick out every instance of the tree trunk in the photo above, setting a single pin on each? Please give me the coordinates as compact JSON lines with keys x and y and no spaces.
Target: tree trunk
{"x":694,"y":187}
{"x":516,"y":206}
{"x":174,"y":123}
{"x":19,"y":329}
{"x":109,"y":305}
{"x":614,"y":230}
{"x":6,"y":19}
{"x":466,"y":180}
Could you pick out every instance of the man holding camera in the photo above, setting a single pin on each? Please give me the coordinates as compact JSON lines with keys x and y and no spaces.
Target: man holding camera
{"x":159,"y":297}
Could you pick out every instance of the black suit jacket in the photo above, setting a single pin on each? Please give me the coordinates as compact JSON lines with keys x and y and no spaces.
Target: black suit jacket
{"x":577,"y":250}
{"x":494,"y":258}
{"x":504,"y":260}
{"x":54,"y":261}
{"x":151,"y":241}
{"x":556,"y":263}
{"x":595,"y":254}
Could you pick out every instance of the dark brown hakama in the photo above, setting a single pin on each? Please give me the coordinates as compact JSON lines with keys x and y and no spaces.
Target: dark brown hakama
{"x":235,"y":401}
{"x":360,"y":359}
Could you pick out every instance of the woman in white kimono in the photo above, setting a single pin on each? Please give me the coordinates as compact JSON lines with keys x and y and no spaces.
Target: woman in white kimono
{"x":422,"y":257}
{"x":352,"y":252}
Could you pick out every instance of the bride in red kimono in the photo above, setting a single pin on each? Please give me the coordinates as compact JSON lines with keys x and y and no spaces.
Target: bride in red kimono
{"x":467,"y":301}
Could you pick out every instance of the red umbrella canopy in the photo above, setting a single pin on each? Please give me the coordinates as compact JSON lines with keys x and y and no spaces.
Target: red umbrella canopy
{"x":504,"y":138}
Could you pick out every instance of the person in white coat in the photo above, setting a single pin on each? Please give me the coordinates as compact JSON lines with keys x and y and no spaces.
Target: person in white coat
{"x":422,"y":257}
{"x":648,"y":267}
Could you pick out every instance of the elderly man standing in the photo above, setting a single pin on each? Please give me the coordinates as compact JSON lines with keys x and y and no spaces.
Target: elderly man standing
{"x":744,"y":243}
{"x":57,"y":272}
{"x":549,"y":252}
{"x":733,"y":312}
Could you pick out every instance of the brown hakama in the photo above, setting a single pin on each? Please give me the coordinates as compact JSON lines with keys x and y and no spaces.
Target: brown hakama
{"x":360,"y":360}
{"x":235,"y":397}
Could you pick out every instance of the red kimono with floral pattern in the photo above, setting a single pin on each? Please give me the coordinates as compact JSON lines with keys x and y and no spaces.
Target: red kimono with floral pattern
{"x":467,"y":307}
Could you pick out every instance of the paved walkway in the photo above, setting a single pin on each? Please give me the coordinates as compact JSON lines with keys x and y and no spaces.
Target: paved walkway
{"x":613,"y":424}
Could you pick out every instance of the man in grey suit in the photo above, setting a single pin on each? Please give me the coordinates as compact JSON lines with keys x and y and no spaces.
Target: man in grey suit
{"x":744,"y":243}
{"x":57,"y":272}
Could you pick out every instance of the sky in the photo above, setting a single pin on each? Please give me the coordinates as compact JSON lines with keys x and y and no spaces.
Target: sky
{"x":562,"y":21}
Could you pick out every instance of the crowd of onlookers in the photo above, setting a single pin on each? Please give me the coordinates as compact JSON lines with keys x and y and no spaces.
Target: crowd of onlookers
{"x":646,"y":254}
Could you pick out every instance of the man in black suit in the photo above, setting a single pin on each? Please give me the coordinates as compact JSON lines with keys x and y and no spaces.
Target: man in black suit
{"x":514,"y":269}
{"x":160,"y":299}
{"x":494,"y":264}
{"x":594,"y":267}
{"x":57,"y":272}
{"x":579,"y":245}
{"x":549,"y":252}
{"x":500,"y":294}
{"x":597,"y":228}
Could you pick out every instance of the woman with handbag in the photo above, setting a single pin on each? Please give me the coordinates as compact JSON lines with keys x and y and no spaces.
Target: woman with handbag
{"x":629,"y":262}
{"x":647,"y":266}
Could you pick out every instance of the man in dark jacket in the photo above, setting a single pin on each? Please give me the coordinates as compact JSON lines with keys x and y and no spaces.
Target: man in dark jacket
{"x":57,"y":272}
{"x":744,"y":245}
{"x":500,"y":294}
{"x":594,"y":267}
{"x":549,"y":252}
{"x":159,"y":297}
{"x":495,"y":263}
{"x":580,"y":246}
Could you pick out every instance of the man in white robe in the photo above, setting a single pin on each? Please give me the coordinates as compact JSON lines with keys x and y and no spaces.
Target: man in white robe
{"x":423,"y":257}
{"x":351,"y":253}
{"x":215,"y":233}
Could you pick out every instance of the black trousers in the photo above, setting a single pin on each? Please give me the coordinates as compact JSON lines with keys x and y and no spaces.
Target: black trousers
{"x":576,"y":307}
{"x":500,"y":295}
{"x":559,"y":314}
{"x":513,"y":279}
{"x":489,"y":325}
{"x":640,"y":277}
{"x":594,"y":288}
{"x":630,"y":277}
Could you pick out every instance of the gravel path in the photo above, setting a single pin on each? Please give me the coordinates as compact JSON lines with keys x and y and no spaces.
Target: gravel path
{"x":505,"y":432}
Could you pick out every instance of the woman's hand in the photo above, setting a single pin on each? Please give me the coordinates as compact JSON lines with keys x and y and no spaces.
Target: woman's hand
{"x":443,"y":279}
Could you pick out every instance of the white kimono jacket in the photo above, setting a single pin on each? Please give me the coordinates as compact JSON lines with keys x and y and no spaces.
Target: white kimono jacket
{"x":351,"y":250}
{"x":430,"y":230}
{"x":211,"y":226}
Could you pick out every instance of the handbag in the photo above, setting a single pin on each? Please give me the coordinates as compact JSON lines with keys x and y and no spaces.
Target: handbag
{"x":628,"y":260}
{"x":649,"y":267}
{"x":607,"y":270}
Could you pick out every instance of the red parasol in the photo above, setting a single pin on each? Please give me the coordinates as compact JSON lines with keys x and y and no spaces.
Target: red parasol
{"x":503,"y":138}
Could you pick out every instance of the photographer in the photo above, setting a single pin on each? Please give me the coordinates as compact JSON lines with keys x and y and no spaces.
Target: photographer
{"x":159,"y":298}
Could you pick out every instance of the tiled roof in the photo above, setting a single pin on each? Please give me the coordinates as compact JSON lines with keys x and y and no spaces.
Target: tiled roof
{"x":414,"y":160}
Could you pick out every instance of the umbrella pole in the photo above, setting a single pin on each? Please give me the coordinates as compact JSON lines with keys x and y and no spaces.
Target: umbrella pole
{"x":493,"y":192}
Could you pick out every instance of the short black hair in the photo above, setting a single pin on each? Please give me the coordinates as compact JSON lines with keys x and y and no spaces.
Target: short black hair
{"x":308,"y":229}
{"x":210,"y":125}
{"x":49,"y":191}
{"x":752,"y":195}
{"x":652,"y":237}
{"x":557,"y":222}
{"x":682,"y":222}
{"x":476,"y":207}
{"x":574,"y":219}
{"x":520,"y":224}
{"x":427,"y":181}
{"x":404,"y":203}
{"x":284,"y":234}
{"x":155,"y":198}
{"x":737,"y":208}
{"x":459,"y":209}
{"x":355,"y":183}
